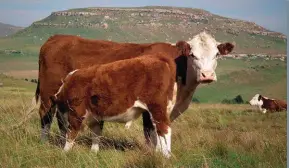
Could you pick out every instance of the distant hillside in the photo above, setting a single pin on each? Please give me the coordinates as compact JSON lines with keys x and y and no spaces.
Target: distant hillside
{"x":6,"y":29}
{"x":153,"y":23}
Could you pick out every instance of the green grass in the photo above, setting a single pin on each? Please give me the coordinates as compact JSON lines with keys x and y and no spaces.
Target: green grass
{"x":124,"y":28}
{"x":237,"y":77}
{"x":206,"y":135}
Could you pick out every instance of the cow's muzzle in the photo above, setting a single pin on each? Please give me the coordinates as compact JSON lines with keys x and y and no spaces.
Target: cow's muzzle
{"x":207,"y":76}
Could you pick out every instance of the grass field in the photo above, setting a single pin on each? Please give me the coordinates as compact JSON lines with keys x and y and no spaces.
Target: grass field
{"x":206,"y":135}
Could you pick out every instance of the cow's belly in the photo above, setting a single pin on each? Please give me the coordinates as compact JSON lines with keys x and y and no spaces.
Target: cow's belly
{"x":129,"y":115}
{"x":132,"y":113}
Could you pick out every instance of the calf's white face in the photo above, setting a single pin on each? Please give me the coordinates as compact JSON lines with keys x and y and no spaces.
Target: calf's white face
{"x":256,"y":100}
{"x":203,"y":56}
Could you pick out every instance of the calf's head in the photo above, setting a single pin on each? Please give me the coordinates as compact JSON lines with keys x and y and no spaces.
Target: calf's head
{"x":202,"y":59}
{"x":256,"y":100}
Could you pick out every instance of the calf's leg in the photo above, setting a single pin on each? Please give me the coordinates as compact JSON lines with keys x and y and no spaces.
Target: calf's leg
{"x":162,"y":124}
{"x":164,"y":142}
{"x":62,"y":120}
{"x":74,"y":126}
{"x":96,"y":127}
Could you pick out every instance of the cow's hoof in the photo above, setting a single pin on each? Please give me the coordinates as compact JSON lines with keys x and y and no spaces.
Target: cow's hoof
{"x":68,"y":146}
{"x":95,"y":148}
{"x":167,"y":154}
{"x":128,"y":124}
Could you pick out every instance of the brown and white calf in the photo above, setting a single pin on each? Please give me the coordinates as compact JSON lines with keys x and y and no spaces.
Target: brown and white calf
{"x":120,"y":91}
{"x":265,"y":104}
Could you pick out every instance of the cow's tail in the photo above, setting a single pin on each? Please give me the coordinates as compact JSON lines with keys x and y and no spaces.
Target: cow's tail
{"x":37,"y":92}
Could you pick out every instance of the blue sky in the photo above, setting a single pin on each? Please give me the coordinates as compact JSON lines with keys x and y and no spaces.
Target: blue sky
{"x":268,"y":13}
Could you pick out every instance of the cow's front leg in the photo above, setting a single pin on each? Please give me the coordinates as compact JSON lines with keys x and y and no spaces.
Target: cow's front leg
{"x":128,"y":124}
{"x":74,"y":127}
{"x":62,"y":119}
{"x":46,"y":116}
{"x":96,"y":127}
{"x":262,"y":110}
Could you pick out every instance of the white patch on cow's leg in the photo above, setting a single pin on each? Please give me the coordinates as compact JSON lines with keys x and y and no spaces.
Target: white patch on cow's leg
{"x":128,"y":124}
{"x":264,"y":111}
{"x":168,"y":138}
{"x":164,"y":143}
{"x":96,"y":128}
{"x":261,"y":109}
{"x":95,"y":145}
{"x":68,"y":144}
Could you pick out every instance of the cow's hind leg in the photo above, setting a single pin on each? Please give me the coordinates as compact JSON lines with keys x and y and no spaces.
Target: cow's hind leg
{"x":46,"y":120}
{"x":162,"y":123}
{"x":96,"y":127}
{"x":149,"y":130}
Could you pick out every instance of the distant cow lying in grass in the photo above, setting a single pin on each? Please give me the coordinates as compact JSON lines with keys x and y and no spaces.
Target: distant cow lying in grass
{"x":120,"y":91}
{"x":265,"y":104}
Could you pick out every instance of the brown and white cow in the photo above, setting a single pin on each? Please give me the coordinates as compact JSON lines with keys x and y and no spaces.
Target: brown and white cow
{"x":196,"y":61}
{"x":265,"y":104}
{"x":120,"y":91}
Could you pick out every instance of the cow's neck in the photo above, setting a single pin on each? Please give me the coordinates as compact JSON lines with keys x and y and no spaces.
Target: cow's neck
{"x":187,"y":83}
{"x":184,"y":98}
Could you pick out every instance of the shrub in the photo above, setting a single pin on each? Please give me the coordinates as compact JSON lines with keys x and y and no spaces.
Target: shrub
{"x":237,"y":100}
{"x":195,"y":100}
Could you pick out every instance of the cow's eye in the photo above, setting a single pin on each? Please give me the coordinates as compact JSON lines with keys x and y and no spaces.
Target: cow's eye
{"x":193,"y":56}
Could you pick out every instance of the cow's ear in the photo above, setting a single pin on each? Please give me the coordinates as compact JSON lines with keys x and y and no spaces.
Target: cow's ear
{"x":260,"y":97}
{"x":225,"y":48}
{"x":181,"y":74}
{"x":184,"y":48}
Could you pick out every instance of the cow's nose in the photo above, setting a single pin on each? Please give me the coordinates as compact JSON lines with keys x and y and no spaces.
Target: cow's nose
{"x":207,"y":76}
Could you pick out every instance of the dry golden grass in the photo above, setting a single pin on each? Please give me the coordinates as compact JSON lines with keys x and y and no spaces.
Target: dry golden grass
{"x":206,"y":135}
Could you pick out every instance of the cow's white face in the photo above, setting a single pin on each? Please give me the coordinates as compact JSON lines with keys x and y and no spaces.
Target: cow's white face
{"x":203,"y":56}
{"x":256,"y":101}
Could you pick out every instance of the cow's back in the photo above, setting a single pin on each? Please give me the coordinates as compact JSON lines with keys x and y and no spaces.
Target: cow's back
{"x":62,"y":54}
{"x":282,"y":104}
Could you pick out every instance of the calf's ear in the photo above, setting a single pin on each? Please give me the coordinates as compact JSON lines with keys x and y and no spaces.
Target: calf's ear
{"x":184,"y":48}
{"x":259,"y":98}
{"x":225,"y":48}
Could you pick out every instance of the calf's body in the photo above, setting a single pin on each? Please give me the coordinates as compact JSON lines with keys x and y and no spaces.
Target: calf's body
{"x":120,"y":92}
{"x":265,"y":104}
